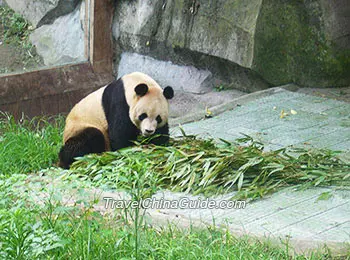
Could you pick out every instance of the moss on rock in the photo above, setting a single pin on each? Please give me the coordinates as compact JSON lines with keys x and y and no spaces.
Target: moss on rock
{"x":291,"y":46}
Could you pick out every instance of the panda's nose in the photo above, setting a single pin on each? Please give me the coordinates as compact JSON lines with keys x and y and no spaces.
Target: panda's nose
{"x":149,"y":131}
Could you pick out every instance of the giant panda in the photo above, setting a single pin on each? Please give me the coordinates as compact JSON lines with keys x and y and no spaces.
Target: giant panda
{"x":113,"y":116}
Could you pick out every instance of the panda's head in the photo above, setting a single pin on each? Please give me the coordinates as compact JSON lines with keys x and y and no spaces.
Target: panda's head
{"x":148,"y":102}
{"x":151,"y":110}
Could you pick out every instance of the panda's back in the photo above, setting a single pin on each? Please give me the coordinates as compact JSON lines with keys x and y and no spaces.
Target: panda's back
{"x":87,"y":113}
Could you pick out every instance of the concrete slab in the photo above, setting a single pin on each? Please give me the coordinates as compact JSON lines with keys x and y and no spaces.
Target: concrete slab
{"x":318,"y":121}
{"x":298,"y":216}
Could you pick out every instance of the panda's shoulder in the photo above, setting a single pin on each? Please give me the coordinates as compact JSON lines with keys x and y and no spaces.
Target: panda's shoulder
{"x":116,"y":87}
{"x":114,"y":95}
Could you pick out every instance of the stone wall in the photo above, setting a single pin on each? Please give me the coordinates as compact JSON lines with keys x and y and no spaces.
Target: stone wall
{"x":244,"y":44}
{"x":220,"y":29}
{"x":209,"y":35}
{"x":306,"y":42}
{"x":247,"y":45}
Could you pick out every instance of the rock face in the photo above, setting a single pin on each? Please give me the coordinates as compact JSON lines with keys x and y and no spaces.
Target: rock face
{"x":223,"y":29}
{"x":337,"y":21}
{"x":204,"y":36}
{"x":41,"y":12}
{"x":247,"y":45}
{"x":61,"y":42}
{"x":305,"y":42}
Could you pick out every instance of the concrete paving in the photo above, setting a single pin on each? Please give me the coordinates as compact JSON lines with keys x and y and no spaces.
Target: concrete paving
{"x":307,"y":120}
{"x":278,"y":118}
{"x":185,"y":103}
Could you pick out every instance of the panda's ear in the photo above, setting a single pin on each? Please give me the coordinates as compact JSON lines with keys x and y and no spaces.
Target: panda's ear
{"x":168,"y":92}
{"x":141,"y":89}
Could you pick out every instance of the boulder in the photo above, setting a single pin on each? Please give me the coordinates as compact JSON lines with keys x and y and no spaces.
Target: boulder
{"x":61,"y":42}
{"x":304,"y":42}
{"x":219,"y":28}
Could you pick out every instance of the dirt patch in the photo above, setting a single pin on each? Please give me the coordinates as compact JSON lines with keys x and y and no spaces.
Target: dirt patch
{"x":14,"y":58}
{"x":17,"y":54}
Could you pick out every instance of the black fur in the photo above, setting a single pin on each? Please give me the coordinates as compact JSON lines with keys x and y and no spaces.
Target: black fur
{"x":90,"y":140}
{"x":163,"y":137}
{"x":141,"y":89}
{"x":168,"y":92}
{"x":121,"y":129}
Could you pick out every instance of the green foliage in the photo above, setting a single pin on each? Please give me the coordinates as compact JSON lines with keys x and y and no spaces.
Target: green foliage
{"x":201,"y":166}
{"x":55,"y":231}
{"x":15,"y":31}
{"x":28,"y":146}
{"x":220,"y":88}
{"x":16,"y":28}
{"x":22,"y":234}
{"x":22,"y":237}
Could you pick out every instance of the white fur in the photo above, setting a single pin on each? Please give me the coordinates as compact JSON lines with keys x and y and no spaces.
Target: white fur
{"x":87,"y":113}
{"x":153,"y":103}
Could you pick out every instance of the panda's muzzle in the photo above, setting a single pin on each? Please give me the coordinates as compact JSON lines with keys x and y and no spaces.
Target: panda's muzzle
{"x":148,"y":126}
{"x":148,"y":132}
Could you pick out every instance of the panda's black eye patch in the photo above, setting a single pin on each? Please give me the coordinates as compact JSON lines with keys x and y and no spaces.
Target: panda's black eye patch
{"x":159,"y":119}
{"x":142,"y":116}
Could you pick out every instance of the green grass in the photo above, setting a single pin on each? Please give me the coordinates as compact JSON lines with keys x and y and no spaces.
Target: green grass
{"x":15,"y":28}
{"x":30,"y":145}
{"x":54,"y":231}
{"x":30,"y":230}
{"x":15,"y":31}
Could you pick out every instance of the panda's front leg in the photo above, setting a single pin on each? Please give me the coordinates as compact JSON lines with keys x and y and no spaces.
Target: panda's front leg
{"x":162,"y":135}
{"x":120,"y":143}
{"x":122,"y":135}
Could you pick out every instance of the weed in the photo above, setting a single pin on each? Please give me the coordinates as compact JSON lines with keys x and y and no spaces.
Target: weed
{"x":220,"y":88}
{"x":15,"y":31}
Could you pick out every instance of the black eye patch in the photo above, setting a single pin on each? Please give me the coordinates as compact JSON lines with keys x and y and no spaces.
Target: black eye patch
{"x":142,"y":116}
{"x":159,"y":119}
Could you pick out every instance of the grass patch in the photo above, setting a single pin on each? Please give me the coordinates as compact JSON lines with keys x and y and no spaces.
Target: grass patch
{"x":202,"y":166}
{"x":54,"y":231}
{"x":15,"y":31}
{"x":15,"y":27}
{"x":29,"y":145}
